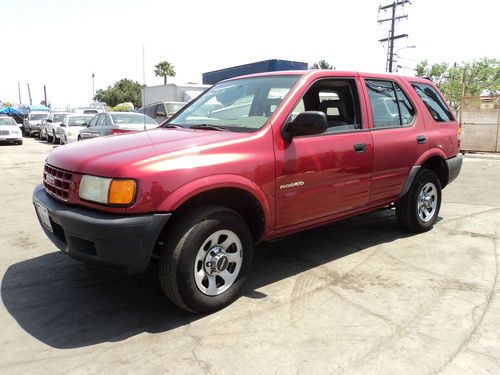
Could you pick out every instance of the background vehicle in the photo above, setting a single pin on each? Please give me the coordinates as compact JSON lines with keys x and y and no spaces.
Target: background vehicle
{"x":31,"y":123}
{"x":110,"y":123}
{"x":252,"y":159}
{"x":10,"y":131}
{"x":71,"y":126}
{"x":162,"y":111}
{"x":53,"y":121}
{"x":43,"y":129}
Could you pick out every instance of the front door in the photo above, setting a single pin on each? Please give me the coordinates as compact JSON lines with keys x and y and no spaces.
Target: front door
{"x":329,"y":173}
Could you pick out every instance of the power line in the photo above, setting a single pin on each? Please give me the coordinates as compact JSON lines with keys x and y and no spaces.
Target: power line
{"x":391,"y":37}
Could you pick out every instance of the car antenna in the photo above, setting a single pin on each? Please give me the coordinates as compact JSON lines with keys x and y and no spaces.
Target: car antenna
{"x":143,"y":85}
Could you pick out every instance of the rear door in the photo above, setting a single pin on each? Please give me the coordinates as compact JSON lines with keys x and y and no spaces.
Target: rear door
{"x":398,"y":134}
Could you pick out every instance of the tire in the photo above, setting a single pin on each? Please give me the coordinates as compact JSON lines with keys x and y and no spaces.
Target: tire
{"x":79,"y":139}
{"x":49,"y":137}
{"x":19,"y":142}
{"x":418,"y":210}
{"x":206,"y":236}
{"x":54,"y":138}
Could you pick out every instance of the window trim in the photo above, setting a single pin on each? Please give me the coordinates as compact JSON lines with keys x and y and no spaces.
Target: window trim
{"x":393,"y":81}
{"x":331,"y":132}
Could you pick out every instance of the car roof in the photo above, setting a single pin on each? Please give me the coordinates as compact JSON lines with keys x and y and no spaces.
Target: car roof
{"x":330,"y":73}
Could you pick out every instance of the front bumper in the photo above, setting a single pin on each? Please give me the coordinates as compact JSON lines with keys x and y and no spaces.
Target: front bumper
{"x":123,"y":243}
{"x":11,"y":138}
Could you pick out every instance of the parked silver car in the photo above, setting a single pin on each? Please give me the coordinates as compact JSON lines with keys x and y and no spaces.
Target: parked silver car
{"x":110,"y":123}
{"x":31,"y":123}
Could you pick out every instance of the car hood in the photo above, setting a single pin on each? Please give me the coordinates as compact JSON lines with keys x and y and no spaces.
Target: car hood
{"x":9,"y":127}
{"x":118,"y":155}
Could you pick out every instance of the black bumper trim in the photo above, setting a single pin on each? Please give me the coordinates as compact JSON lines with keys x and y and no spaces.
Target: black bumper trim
{"x":121,"y":242}
{"x":454,"y":167}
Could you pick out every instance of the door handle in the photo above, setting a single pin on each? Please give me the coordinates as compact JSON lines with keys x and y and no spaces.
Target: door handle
{"x":421,"y":139}
{"x":360,"y":147}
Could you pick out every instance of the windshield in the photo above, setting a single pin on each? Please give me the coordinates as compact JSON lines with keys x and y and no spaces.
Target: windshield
{"x":59,"y":117}
{"x":238,"y":105}
{"x":132,"y":118}
{"x":7,"y":121}
{"x":38,"y":116}
{"x":79,"y":120}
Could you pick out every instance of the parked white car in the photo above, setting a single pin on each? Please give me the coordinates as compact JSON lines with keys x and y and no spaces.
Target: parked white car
{"x":71,"y":126}
{"x":52,"y":123}
{"x":9,"y":131}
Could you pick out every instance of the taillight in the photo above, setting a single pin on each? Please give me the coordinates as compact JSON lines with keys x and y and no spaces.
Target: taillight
{"x":119,"y":131}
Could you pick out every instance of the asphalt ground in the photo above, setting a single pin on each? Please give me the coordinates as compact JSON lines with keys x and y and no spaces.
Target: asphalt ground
{"x":359,"y":296}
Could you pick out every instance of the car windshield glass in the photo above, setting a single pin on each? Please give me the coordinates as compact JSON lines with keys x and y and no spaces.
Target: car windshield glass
{"x":78,"y":120}
{"x":238,"y":105}
{"x":131,"y":118}
{"x":38,"y":116}
{"x":59,"y":117}
{"x":7,"y":121}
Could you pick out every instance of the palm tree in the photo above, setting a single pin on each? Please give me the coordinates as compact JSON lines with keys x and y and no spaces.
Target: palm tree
{"x":164,"y":69}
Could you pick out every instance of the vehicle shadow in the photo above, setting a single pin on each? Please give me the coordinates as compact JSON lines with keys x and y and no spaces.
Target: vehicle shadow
{"x":65,"y":304}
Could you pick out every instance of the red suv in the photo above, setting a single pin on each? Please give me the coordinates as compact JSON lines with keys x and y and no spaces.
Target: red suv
{"x":253,"y":158}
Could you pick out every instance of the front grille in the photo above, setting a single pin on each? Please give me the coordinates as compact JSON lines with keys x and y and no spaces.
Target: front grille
{"x":57,"y":182}
{"x":4,"y":132}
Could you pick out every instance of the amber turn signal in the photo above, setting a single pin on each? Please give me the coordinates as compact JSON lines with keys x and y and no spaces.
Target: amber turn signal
{"x":121,"y":192}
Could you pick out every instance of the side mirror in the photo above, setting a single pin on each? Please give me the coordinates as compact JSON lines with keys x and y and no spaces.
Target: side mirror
{"x":63,"y":126}
{"x":161,"y":114}
{"x":306,"y":123}
{"x":85,"y":124}
{"x":49,"y":120}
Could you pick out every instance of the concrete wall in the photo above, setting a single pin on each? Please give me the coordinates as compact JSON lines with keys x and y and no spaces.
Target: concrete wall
{"x":481,"y":130}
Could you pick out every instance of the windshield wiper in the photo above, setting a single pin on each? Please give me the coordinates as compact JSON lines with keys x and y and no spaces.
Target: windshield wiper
{"x":170,"y":126}
{"x":208,"y":127}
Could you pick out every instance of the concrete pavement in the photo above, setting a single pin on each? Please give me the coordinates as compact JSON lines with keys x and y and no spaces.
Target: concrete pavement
{"x":357,"y":297}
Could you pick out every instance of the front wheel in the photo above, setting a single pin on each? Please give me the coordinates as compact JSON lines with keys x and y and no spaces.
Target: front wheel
{"x":55,"y":139}
{"x":205,"y":261}
{"x":418,"y":210}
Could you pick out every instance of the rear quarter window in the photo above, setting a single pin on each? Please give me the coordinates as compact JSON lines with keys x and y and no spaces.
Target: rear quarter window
{"x":433,"y":101}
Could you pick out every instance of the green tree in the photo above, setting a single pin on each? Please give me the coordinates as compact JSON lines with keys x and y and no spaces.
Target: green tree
{"x":479,"y":77}
{"x":321,"y":64}
{"x":164,"y":69}
{"x":125,"y":90}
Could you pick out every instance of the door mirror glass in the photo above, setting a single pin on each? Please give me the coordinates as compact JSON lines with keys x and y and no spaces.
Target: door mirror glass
{"x":306,"y":123}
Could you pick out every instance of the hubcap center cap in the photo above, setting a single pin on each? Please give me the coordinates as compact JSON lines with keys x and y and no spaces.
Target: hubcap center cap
{"x":216,"y":261}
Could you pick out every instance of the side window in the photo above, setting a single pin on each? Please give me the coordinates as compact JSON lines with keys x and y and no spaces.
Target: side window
{"x":151,"y":110}
{"x":433,"y":101}
{"x":390,"y":105}
{"x":101,"y":120}
{"x":337,"y":98}
{"x":93,"y":121}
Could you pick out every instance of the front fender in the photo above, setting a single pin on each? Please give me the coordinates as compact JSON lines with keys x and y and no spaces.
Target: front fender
{"x":193,"y":188}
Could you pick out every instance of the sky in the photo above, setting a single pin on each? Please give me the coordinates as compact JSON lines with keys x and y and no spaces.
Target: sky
{"x":60,"y":43}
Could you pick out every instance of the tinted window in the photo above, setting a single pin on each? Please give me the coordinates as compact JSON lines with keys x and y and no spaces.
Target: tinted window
{"x":93,"y":121}
{"x":7,"y":121}
{"x":101,"y":121}
{"x":405,"y":107}
{"x":59,"y":117}
{"x":433,"y":101}
{"x":131,"y":118}
{"x":151,"y":110}
{"x":390,"y":105}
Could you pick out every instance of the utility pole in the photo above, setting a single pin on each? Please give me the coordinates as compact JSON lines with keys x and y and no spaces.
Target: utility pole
{"x":391,"y":37}
{"x":19,"y":92}
{"x":29,"y":94}
{"x":45,"y":95}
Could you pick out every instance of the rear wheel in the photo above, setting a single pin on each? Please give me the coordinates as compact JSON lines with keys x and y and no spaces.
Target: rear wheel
{"x":207,"y":256}
{"x":54,"y":138}
{"x":418,"y":210}
{"x":49,"y":137}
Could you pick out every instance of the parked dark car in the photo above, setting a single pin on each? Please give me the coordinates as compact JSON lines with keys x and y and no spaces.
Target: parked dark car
{"x":160,"y":112}
{"x":116,"y":123}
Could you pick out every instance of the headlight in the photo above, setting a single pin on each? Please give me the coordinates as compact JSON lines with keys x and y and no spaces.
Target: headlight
{"x":15,"y":131}
{"x":107,"y":190}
